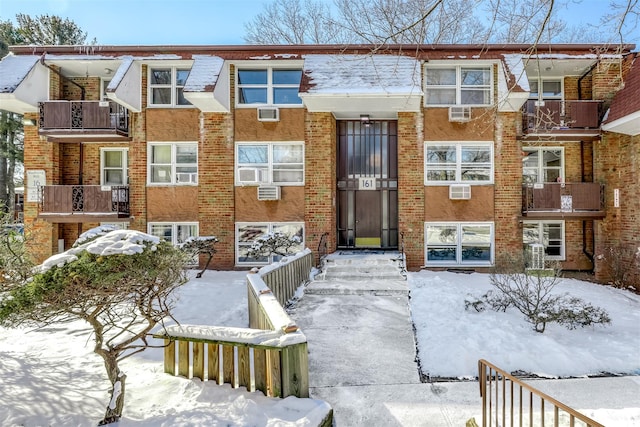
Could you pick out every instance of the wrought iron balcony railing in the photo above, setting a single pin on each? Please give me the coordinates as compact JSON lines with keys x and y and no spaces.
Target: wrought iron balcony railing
{"x":561,"y":116}
{"x":94,"y":201}
{"x":555,"y":199}
{"x":83,"y":117}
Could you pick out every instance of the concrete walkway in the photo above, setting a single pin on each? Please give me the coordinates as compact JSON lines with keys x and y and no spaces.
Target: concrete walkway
{"x":362,"y":354}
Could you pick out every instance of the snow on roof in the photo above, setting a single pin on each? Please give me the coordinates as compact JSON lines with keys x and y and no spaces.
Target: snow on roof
{"x":204,"y":73}
{"x":117,"y":242}
{"x":120,"y":73}
{"x":358,"y":74}
{"x":514,"y":65}
{"x":13,"y":70}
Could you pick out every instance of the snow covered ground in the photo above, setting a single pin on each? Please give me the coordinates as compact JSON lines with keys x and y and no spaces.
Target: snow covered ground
{"x":51,"y":377}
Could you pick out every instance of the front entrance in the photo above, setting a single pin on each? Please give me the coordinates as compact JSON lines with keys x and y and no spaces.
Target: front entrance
{"x":367,"y":175}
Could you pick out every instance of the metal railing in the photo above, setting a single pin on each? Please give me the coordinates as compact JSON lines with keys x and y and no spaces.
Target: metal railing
{"x":508,"y":401}
{"x":561,"y":115}
{"x":83,"y":199}
{"x":83,"y":116}
{"x":563,"y":197}
{"x":322,"y":248}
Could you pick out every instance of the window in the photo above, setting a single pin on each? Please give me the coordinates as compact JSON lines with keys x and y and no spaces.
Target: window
{"x":175,"y":163}
{"x":103,"y":89}
{"x":113,"y":166}
{"x":117,"y":225}
{"x":279,"y":163}
{"x":548,"y":233}
{"x":166,"y":86}
{"x":458,"y":85}
{"x":271,"y":86}
{"x":468,"y":162}
{"x":542,"y":164}
{"x":173,"y":232}
{"x":450,"y":243}
{"x":551,"y":89}
{"x":247,"y":233}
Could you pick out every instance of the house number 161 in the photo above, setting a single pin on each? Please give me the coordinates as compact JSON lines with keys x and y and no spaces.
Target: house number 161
{"x":367,"y":184}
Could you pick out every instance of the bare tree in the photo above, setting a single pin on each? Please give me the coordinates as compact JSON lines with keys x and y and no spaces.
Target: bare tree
{"x":293,"y":22}
{"x":121,"y":283}
{"x":433,"y":21}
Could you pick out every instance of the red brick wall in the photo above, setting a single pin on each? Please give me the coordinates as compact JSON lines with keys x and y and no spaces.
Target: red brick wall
{"x":39,"y":155}
{"x":508,"y":186}
{"x":216,"y":186}
{"x":411,"y":186}
{"x":320,"y":179}
{"x":617,"y":159}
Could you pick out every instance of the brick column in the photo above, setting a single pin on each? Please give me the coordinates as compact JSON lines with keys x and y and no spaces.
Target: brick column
{"x":138,"y":171}
{"x":42,"y":236}
{"x":320,"y":179}
{"x":508,"y":186}
{"x":411,"y":186}
{"x":216,"y":192}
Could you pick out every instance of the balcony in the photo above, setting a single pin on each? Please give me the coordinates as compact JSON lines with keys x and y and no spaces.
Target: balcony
{"x":71,"y":121}
{"x":558,"y":118}
{"x":84,"y":203}
{"x":563,"y":200}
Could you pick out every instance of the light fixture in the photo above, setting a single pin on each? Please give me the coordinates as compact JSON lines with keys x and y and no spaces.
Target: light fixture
{"x":364,"y":118}
{"x":28,"y":122}
{"x":108,"y":71}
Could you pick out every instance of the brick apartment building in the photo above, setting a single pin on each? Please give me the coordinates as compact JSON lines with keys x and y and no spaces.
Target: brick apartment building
{"x":459,"y":154}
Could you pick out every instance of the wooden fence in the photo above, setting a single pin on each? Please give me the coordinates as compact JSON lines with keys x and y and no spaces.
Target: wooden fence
{"x":508,"y":401}
{"x":270,"y":356}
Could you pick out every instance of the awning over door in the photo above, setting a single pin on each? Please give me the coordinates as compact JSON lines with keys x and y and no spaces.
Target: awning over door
{"x":349,"y":85}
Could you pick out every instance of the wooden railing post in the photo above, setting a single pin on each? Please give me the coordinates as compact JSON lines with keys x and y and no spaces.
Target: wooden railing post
{"x":295,"y":371}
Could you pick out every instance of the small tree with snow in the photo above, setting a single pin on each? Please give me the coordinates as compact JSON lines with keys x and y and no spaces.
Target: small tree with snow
{"x":276,"y":243}
{"x":531,"y":292}
{"x":120,"y":282}
{"x":196,"y":246}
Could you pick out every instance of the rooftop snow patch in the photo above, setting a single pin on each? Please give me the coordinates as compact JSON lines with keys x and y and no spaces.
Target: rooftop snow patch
{"x":361,"y":74}
{"x":13,"y":70}
{"x":204,"y":73}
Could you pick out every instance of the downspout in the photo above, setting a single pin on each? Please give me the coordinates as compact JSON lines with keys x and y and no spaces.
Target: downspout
{"x":582,"y":77}
{"x":82,"y":91}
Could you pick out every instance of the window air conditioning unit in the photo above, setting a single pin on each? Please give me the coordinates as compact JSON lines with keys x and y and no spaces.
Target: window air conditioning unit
{"x":251,"y":175}
{"x":187,"y":178}
{"x":268,"y":192}
{"x":460,"y":192}
{"x":459,"y":113}
{"x":268,"y":114}
{"x":536,"y":256}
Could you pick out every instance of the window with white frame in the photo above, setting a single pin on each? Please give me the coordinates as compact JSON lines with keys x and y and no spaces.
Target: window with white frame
{"x":247,"y":233}
{"x":550,"y":234}
{"x":542,"y":164}
{"x":268,"y":86}
{"x":458,"y":85}
{"x":166,"y":86}
{"x":551,"y":89}
{"x":113,"y":166}
{"x":280,"y":163}
{"x":459,"y":243}
{"x":458,"y":162}
{"x":173,"y":232}
{"x":173,"y":163}
{"x":117,"y":225}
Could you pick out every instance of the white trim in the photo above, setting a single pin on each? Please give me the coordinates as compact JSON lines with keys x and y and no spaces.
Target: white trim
{"x":172,"y":164}
{"x":174,"y":228}
{"x":458,"y":164}
{"x":266,"y":168}
{"x":269,"y":86}
{"x":459,"y":262}
{"x":458,"y":66}
{"x":125,"y":164}
{"x":540,"y":224}
{"x":173,"y":86}
{"x":540,"y":168}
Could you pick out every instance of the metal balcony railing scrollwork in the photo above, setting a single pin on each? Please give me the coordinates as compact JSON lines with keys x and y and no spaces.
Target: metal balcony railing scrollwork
{"x":84,"y":199}
{"x":83,"y":116}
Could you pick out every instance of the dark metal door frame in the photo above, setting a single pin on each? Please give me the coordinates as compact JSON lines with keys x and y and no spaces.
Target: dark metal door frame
{"x":367,"y":176}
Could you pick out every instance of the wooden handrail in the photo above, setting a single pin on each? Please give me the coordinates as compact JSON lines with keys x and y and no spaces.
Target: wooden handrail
{"x":271,"y":355}
{"x":495,"y":378}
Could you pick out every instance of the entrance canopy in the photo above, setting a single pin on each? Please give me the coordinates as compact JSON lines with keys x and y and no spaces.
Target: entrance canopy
{"x":348,"y":85}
